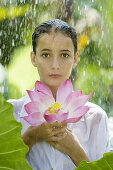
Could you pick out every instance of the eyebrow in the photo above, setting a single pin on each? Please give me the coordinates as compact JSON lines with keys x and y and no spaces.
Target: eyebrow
{"x":45,"y":49}
{"x":66,"y":50}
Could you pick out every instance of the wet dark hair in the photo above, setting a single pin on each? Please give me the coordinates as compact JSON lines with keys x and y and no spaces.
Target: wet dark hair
{"x":55,"y":25}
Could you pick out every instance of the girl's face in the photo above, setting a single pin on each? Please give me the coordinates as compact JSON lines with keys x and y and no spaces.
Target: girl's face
{"x":54,"y":55}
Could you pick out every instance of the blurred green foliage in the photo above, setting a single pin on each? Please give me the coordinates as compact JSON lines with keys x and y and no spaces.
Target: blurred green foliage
{"x":18,"y":20}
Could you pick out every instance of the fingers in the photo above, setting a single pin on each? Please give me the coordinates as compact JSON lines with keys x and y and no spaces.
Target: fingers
{"x":56,"y":128}
{"x":58,"y":137}
{"x":58,"y":124}
{"x":58,"y":131}
{"x":69,"y":130}
{"x":52,"y":131}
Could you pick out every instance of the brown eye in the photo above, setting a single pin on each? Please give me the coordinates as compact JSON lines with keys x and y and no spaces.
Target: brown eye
{"x":65,"y":55}
{"x":45,"y":55}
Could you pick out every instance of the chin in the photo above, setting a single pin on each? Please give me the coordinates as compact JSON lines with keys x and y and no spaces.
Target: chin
{"x":55,"y":83}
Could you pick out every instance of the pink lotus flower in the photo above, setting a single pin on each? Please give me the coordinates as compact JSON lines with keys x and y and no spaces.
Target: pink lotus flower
{"x":69,"y":105}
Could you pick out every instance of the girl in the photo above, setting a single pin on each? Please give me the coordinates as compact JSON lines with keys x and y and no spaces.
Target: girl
{"x":60,"y":146}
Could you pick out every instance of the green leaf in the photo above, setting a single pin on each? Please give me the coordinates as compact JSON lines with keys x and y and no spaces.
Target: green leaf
{"x":105,"y":163}
{"x":12,"y":149}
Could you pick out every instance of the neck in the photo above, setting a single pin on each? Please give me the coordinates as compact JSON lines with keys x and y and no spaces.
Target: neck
{"x":54,"y":91}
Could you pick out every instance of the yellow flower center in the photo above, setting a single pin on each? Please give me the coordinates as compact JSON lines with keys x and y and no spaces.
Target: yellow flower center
{"x":54,"y":107}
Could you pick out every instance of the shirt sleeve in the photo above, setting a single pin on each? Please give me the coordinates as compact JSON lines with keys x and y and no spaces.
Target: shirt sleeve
{"x":16,"y":108}
{"x":97,"y":128}
{"x":17,"y":104}
{"x":102,"y":137}
{"x":92,"y":132}
{"x":19,"y":111}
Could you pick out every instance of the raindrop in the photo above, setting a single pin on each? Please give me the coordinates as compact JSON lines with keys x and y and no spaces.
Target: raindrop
{"x":78,"y":8}
{"x":16,"y":36}
{"x":10,"y":2}
{"x":36,"y":1}
{"x":21,"y":24}
{"x":3,"y":47}
{"x":100,"y":8}
{"x":34,"y":12}
{"x":13,"y":44}
{"x":25,"y":14}
{"x":84,"y":73}
{"x":86,"y":7}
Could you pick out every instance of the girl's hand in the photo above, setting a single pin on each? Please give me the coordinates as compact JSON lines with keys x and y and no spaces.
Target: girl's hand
{"x":65,"y":144}
{"x":71,"y":146}
{"x":45,"y":132}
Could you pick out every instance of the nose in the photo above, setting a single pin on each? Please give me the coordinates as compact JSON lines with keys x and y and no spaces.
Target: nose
{"x":55,"y":63}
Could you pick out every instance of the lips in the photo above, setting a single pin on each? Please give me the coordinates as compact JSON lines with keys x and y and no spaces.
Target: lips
{"x":55,"y":75}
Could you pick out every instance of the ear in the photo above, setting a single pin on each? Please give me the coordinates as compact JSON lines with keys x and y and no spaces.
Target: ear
{"x":75,"y":60}
{"x":33,"y":58}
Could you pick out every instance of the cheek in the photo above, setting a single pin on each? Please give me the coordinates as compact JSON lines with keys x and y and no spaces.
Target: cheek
{"x":39,"y":67}
{"x":42,"y":67}
{"x":68,"y":69}
{"x":68,"y":65}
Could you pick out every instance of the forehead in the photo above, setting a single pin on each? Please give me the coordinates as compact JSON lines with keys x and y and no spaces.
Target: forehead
{"x":55,"y":38}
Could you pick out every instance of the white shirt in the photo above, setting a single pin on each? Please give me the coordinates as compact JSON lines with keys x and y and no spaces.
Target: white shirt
{"x":91,"y":130}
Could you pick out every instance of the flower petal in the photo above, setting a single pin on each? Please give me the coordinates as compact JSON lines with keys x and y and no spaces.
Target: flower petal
{"x":49,"y":118}
{"x":34,"y":119}
{"x":31,"y":108}
{"x":63,"y":91}
{"x":61,"y":116}
{"x":80,"y":111}
{"x":42,"y":100}
{"x":41,"y":87}
{"x":78,"y":114}
{"x":74,"y":103}
{"x":74,"y":95}
{"x":72,"y":120}
{"x":33,"y":95}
